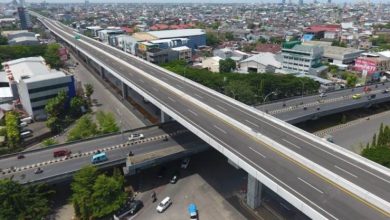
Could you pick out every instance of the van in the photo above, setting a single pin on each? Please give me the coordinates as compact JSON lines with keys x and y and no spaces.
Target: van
{"x":97,"y":158}
{"x":26,"y":134}
{"x":164,"y":204}
{"x":61,"y":153}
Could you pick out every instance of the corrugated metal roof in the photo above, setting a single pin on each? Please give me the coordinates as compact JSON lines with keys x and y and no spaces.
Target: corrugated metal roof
{"x":176,"y":33}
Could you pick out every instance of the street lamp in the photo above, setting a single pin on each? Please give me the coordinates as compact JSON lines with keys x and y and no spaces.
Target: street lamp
{"x":265,"y":97}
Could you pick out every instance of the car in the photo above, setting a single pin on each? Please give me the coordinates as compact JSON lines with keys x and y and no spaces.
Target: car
{"x":193,"y":211}
{"x":38,"y":170}
{"x":61,"y":153}
{"x":135,"y":206}
{"x":134,"y":137}
{"x":97,"y":158}
{"x":357,"y":96}
{"x":185,"y":162}
{"x":20,"y":156}
{"x":385,"y":91}
{"x":174,"y":178}
{"x":164,"y":204}
{"x":322,"y":95}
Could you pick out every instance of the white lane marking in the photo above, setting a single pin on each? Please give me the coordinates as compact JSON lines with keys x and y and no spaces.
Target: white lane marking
{"x":342,"y":159}
{"x":155,"y":89}
{"x":292,"y":144}
{"x":206,"y":132}
{"x":345,"y":171}
{"x":194,"y":113}
{"x":220,"y":129}
{"x":257,"y":152}
{"x":171,"y":99}
{"x":252,"y":123}
{"x":181,"y":87}
{"x":222,"y":108}
{"x":142,"y":81}
{"x":310,"y":185}
{"x":198,"y":96}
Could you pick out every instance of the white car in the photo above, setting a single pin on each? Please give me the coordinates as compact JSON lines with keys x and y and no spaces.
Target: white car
{"x":134,"y":137}
{"x":185,"y":163}
{"x":164,"y":204}
{"x":322,"y":95}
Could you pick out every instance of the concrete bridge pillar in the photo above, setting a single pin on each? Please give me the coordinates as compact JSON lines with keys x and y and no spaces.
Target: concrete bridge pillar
{"x":253,"y":195}
{"x":165,"y":117}
{"x":124,"y":90}
{"x":102,"y":72}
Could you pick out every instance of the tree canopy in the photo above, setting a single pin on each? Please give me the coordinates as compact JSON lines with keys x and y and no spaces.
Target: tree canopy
{"x":227,"y":65}
{"x":107,"y":122}
{"x":96,"y":196}
{"x":379,"y":150}
{"x":85,"y":127}
{"x":259,"y":84}
{"x":23,"y":202}
{"x":12,"y":129}
{"x":52,"y":57}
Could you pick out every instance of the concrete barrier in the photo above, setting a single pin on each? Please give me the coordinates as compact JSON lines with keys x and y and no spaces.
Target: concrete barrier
{"x":220,"y":147}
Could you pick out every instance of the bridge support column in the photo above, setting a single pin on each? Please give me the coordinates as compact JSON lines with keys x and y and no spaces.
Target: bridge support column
{"x":253,"y":195}
{"x":164,"y":117}
{"x":102,"y":72}
{"x":124,"y":90}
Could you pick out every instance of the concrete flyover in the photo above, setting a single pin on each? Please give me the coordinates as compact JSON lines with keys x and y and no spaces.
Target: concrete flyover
{"x":180,"y":142}
{"x":322,"y":180}
{"x":292,"y":110}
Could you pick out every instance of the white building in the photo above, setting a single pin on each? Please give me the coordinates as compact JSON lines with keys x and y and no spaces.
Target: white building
{"x":36,"y":83}
{"x":184,"y":53}
{"x":302,"y":58}
{"x":260,"y":63}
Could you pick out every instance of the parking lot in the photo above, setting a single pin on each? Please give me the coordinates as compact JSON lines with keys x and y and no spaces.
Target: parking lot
{"x":209,"y":182}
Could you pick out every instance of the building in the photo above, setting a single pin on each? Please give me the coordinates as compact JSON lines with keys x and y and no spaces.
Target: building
{"x":211,"y":63}
{"x":25,"y":22}
{"x":196,"y":37}
{"x":302,"y":59}
{"x":107,"y":35}
{"x":370,"y":63}
{"x":36,"y":83}
{"x":260,"y":63}
{"x":228,"y":53}
{"x":160,"y":56}
{"x":336,"y":55}
{"x":184,"y":53}
{"x":328,"y":31}
{"x":127,"y":43}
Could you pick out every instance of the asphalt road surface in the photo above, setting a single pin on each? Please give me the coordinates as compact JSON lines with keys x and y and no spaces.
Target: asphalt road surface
{"x":324,"y":196}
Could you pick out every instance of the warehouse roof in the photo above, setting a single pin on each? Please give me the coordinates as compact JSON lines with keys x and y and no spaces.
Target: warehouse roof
{"x":176,"y":33}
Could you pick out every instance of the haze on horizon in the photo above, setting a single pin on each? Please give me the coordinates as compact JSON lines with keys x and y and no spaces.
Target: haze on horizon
{"x":191,"y":1}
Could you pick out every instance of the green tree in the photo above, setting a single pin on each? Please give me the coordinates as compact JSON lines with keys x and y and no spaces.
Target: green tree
{"x":84,"y":128}
{"x":3,"y":40}
{"x":107,"y":123}
{"x":373,"y":144}
{"x":88,"y":90}
{"x":108,"y":195}
{"x":240,"y":91}
{"x":8,"y":52}
{"x":381,"y":136}
{"x":49,"y":141}
{"x":82,"y":189}
{"x":227,"y":65}
{"x":12,"y":127}
{"x":52,"y":56}
{"x":229,"y":36}
{"x":212,"y":39}
{"x":380,"y":155}
{"x":76,"y":104}
{"x":55,"y":110}
{"x":23,"y":202}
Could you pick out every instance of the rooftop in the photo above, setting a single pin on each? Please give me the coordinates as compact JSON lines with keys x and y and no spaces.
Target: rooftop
{"x":176,"y":33}
{"x":266,"y":59}
{"x":180,"y":48}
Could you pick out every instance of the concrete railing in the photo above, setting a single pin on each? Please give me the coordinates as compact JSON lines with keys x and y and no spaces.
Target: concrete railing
{"x":322,"y":171}
{"x":75,"y":142}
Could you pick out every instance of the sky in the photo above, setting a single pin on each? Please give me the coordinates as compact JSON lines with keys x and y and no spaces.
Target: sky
{"x":187,"y":1}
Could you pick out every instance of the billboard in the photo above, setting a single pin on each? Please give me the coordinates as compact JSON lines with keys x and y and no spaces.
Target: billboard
{"x":365,"y":65}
